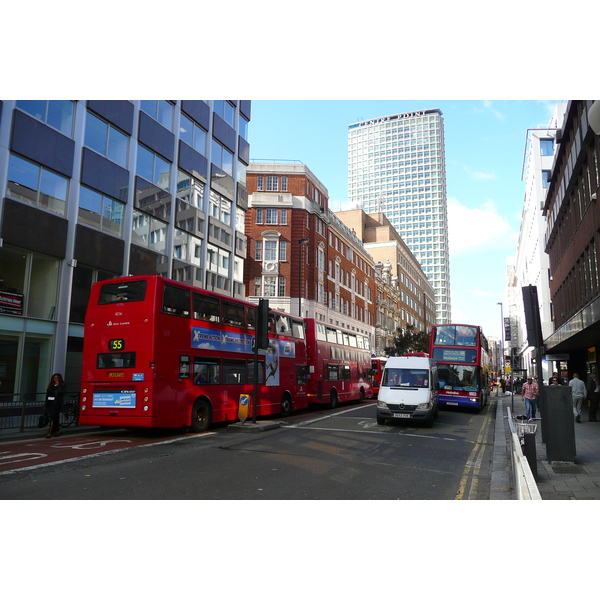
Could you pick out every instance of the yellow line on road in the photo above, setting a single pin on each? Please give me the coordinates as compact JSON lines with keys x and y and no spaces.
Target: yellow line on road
{"x":473,"y":466}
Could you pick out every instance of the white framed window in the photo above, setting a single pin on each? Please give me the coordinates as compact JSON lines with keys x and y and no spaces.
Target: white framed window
{"x":270,"y":287}
{"x":283,"y":216}
{"x":259,"y":216}
{"x":283,"y":250}
{"x":284,"y":183}
{"x":281,"y":290}
{"x":271,"y":216}
{"x":272,"y":183}
{"x":260,"y":183}
{"x":258,"y":246}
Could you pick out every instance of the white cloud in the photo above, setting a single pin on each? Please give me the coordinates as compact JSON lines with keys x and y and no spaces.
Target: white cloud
{"x":481,"y":175}
{"x":488,"y":106}
{"x":478,"y":228}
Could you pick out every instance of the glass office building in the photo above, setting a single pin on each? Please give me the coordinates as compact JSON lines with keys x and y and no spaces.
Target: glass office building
{"x":396,"y":165}
{"x":93,"y":189}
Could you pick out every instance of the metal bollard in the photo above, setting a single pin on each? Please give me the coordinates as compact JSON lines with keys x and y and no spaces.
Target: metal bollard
{"x":529,"y":452}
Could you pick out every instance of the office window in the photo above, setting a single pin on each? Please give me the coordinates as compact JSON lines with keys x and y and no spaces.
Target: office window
{"x":222,"y":157}
{"x":153,"y":168}
{"x":100,"y":211}
{"x":260,"y":183}
{"x":32,"y":183}
{"x":106,"y":140}
{"x":547,"y":147}
{"x":545,"y":178}
{"x":259,"y":216}
{"x":193,"y":135}
{"x":225,"y":110}
{"x":149,"y":232}
{"x":160,"y":110}
{"x":257,"y":282}
{"x":243,"y":126}
{"x":258,"y":250}
{"x":283,"y":216}
{"x":220,"y":208}
{"x":190,"y":189}
{"x":284,"y":183}
{"x":282,"y":250}
{"x":272,"y":183}
{"x":56,"y":113}
{"x":281,"y":290}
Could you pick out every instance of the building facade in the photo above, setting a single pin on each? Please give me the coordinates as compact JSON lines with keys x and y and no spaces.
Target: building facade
{"x":301,"y":257}
{"x":405,"y":295}
{"x":98,"y":189}
{"x":531,"y":265}
{"x":396,"y":165}
{"x":572,"y":241}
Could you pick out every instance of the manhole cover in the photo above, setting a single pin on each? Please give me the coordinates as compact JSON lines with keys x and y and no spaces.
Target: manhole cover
{"x":568,"y":470}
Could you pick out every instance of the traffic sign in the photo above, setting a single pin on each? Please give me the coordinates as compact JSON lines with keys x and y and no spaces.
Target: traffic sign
{"x":243,"y":407}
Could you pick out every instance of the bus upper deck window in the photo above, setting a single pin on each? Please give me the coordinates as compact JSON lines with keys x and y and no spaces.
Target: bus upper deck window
{"x":206,"y":308}
{"x":126,"y":291}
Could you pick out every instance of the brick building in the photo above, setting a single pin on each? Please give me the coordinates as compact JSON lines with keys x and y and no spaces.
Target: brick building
{"x":300,"y":255}
{"x":573,"y":240}
{"x":405,"y":295}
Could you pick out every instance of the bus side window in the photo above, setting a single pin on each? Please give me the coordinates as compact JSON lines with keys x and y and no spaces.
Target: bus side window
{"x":206,"y":371}
{"x":233,"y":314}
{"x":206,"y":308}
{"x":234,"y":371}
{"x":251,"y":317}
{"x":176,"y":301}
{"x":261,"y":371}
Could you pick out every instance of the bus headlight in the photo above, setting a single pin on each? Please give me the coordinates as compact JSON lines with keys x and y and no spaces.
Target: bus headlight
{"x":381,"y":404}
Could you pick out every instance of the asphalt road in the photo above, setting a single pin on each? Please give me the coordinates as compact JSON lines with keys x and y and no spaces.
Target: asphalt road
{"x":325,"y":455}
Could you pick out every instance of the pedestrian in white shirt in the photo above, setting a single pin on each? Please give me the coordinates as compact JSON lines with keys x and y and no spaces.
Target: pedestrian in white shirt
{"x":579,"y":393}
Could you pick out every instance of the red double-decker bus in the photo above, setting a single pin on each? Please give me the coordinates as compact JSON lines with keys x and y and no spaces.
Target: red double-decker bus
{"x":377,"y":366}
{"x":338,"y":364}
{"x":462,"y":355}
{"x":159,"y":353}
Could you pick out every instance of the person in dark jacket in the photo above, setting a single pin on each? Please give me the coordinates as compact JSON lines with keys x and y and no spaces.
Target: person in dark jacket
{"x":55,"y":394}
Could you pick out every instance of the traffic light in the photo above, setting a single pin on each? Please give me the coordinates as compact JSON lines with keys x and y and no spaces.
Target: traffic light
{"x":262,"y":327}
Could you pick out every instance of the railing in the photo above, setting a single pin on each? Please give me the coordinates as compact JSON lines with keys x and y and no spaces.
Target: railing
{"x":522,"y":476}
{"x":22,"y":411}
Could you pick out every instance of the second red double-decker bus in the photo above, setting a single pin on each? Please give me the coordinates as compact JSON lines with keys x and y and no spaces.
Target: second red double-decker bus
{"x":158,"y":353}
{"x":462,"y":355}
{"x":377,"y":366}
{"x":338,"y":364}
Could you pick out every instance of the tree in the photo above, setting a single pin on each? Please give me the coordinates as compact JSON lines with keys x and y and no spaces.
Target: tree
{"x":408,"y":340}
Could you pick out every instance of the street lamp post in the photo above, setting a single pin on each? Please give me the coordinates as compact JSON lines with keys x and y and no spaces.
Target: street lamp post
{"x":301,"y":243}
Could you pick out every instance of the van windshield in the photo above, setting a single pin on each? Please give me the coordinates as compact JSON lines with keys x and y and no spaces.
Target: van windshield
{"x":406,"y":378}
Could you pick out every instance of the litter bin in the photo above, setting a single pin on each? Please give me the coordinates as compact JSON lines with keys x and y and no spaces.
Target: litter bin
{"x":559,"y":426}
{"x":529,"y":452}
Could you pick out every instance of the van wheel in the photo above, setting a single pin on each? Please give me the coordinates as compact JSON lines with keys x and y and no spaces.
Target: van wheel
{"x":200,"y":416}
{"x":286,"y":405}
{"x":428,"y":422}
{"x":333,"y":399}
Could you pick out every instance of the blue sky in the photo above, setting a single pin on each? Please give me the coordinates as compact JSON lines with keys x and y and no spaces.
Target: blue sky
{"x":485,"y":146}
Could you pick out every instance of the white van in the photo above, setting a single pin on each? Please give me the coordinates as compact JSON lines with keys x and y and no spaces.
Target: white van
{"x":409,"y":390}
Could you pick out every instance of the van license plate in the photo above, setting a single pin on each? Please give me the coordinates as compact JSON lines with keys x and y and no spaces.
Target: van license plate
{"x":452,"y":403}
{"x":401,"y":416}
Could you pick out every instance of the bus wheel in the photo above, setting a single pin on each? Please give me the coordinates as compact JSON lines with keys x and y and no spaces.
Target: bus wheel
{"x":200,"y":416}
{"x":286,"y":405}
{"x":333,"y":399}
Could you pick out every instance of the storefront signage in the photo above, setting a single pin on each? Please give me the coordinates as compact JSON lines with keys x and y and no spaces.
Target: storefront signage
{"x":11,"y":303}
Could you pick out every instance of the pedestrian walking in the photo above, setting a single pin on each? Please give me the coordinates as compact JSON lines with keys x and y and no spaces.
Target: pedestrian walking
{"x":593,"y":393}
{"x":530,"y":391}
{"x":55,"y":394}
{"x":578,"y":393}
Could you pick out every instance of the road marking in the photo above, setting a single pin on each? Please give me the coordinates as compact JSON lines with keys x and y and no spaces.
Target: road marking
{"x":113,"y":451}
{"x":473,"y":465}
{"x":11,"y":458}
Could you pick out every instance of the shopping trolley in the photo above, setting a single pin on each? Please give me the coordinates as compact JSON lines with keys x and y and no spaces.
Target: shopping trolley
{"x":524,"y":425}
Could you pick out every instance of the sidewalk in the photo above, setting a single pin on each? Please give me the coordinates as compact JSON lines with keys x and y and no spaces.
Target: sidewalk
{"x":556,"y":480}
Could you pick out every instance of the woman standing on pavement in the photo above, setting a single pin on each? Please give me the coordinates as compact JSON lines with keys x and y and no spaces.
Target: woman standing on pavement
{"x":54,"y":399}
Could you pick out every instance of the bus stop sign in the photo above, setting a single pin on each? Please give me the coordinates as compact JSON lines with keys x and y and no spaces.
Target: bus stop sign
{"x":243,"y":407}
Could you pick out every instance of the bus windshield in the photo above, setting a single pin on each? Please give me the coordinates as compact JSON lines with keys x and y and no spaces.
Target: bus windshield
{"x":456,"y":335}
{"x":405,"y":378}
{"x":458,"y":377}
{"x":124,"y":291}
